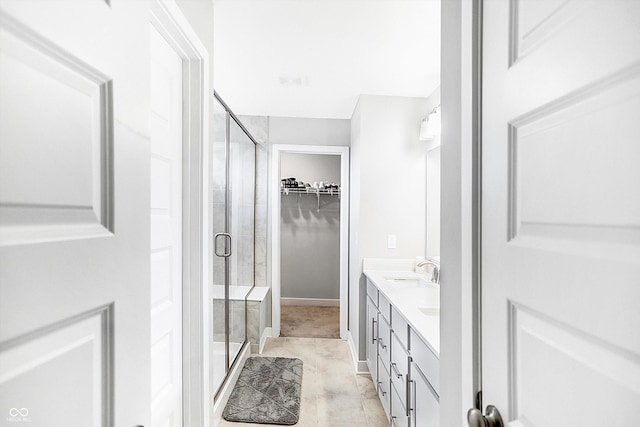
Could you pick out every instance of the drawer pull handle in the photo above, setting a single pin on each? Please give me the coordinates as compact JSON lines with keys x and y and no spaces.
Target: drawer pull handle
{"x":394,"y":366}
{"x":382,"y":344}
{"x":409,"y":402}
{"x":393,"y":421}
{"x":373,"y":330}
{"x":384,"y":393}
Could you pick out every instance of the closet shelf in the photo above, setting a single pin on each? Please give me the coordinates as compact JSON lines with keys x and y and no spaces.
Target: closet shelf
{"x":310,"y":190}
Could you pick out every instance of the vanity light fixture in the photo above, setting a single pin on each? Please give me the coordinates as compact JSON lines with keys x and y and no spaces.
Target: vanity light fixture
{"x":430,"y":126}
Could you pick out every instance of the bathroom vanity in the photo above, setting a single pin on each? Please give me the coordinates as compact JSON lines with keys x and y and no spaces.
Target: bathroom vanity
{"x":403,"y":339}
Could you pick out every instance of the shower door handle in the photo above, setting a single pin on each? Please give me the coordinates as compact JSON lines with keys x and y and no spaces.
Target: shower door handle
{"x":215,"y":245}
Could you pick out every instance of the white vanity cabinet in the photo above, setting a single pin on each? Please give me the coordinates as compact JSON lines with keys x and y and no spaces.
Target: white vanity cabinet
{"x":403,"y":367}
{"x":424,"y":390}
{"x":384,"y":363}
{"x":399,"y":381}
{"x":399,"y":371}
{"x":372,"y":338}
{"x":423,"y":405}
{"x":377,"y":336}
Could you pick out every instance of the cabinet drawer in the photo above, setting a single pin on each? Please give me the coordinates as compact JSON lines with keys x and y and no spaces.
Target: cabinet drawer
{"x":385,"y":307}
{"x":423,"y":405}
{"x":384,"y":387}
{"x":372,"y":292}
{"x":372,"y":339}
{"x":399,"y":368}
{"x":400,"y":327}
{"x":384,"y":341}
{"x":399,"y":416}
{"x":424,"y":358}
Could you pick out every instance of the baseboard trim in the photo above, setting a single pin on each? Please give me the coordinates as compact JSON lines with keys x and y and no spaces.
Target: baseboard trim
{"x":267,"y":333}
{"x":310,"y":301}
{"x":360,"y":366}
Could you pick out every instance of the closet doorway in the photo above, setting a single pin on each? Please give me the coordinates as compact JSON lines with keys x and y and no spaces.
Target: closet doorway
{"x":309,"y":223}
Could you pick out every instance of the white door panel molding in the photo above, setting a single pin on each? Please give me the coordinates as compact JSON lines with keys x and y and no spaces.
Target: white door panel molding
{"x":69,"y":127}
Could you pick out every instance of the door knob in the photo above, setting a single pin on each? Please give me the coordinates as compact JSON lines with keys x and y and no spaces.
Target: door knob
{"x":492,"y":417}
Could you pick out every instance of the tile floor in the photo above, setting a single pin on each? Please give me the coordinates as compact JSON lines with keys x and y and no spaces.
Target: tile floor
{"x":309,"y":321}
{"x":332,"y":394}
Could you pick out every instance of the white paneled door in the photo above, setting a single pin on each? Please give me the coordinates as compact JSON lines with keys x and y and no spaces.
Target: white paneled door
{"x":74,"y":222}
{"x":166,"y":232}
{"x":561,"y":212}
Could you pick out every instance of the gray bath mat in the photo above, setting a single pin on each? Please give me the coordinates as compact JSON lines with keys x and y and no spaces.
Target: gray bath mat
{"x":267,"y":392}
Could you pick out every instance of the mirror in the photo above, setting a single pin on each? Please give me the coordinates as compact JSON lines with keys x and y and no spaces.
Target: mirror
{"x":433,"y":200}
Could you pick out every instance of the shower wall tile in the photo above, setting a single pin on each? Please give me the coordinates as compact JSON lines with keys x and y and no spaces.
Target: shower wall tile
{"x":218,"y":195}
{"x":258,"y":127}
{"x":218,"y":165}
{"x":261,"y":195}
{"x":261,"y":274}
{"x":256,"y":321}
{"x":237,"y":321}
{"x":218,"y":271}
{"x":261,"y":163}
{"x":261,"y":213}
{"x":261,"y":260}
{"x":247,"y":220}
{"x":219,"y":125}
{"x":218,"y":320}
{"x":253,"y":321}
{"x":261,"y":219}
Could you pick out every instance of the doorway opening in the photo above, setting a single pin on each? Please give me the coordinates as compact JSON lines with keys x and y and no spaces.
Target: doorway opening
{"x":309,"y":223}
{"x":310,"y":245}
{"x":178,"y":253}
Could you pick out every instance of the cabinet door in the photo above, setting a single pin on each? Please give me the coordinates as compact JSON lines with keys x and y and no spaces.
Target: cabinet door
{"x":399,"y":368}
{"x":372,"y":339}
{"x":399,"y":416}
{"x":425,"y":409}
{"x":384,"y":388}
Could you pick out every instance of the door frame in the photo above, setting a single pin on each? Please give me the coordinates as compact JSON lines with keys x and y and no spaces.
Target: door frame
{"x":168,"y":19}
{"x":274,"y":191}
{"x":460,"y":221}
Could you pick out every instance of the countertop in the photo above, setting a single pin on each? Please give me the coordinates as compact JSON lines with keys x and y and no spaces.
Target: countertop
{"x":408,"y":301}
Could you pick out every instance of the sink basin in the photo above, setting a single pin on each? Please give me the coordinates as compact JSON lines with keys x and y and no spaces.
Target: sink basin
{"x":430,"y":311}
{"x":404,"y":282}
{"x":410,"y":282}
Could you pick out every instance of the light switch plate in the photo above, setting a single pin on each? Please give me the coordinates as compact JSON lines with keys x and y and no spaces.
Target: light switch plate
{"x":391,"y":241}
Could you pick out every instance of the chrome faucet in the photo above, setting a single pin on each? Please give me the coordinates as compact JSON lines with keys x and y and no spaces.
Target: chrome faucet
{"x":435,"y":271}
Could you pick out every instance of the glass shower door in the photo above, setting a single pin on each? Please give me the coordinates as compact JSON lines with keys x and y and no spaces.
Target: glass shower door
{"x":219,"y":180}
{"x":242,"y":227}
{"x":233,"y":197}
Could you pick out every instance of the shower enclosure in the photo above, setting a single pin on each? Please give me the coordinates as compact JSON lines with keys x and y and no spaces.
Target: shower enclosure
{"x":234,"y":160}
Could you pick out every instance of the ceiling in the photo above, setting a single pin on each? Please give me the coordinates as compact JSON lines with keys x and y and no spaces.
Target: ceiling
{"x":313,"y":58}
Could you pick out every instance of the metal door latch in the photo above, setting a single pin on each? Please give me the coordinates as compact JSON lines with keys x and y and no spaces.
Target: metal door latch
{"x":492,"y":417}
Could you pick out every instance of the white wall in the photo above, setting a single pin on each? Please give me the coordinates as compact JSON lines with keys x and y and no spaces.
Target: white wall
{"x":199,"y":13}
{"x":388,"y":173}
{"x":310,"y":167}
{"x":302,"y":131}
{"x":310,"y":238}
{"x":393,"y":176}
{"x":357,"y":288}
